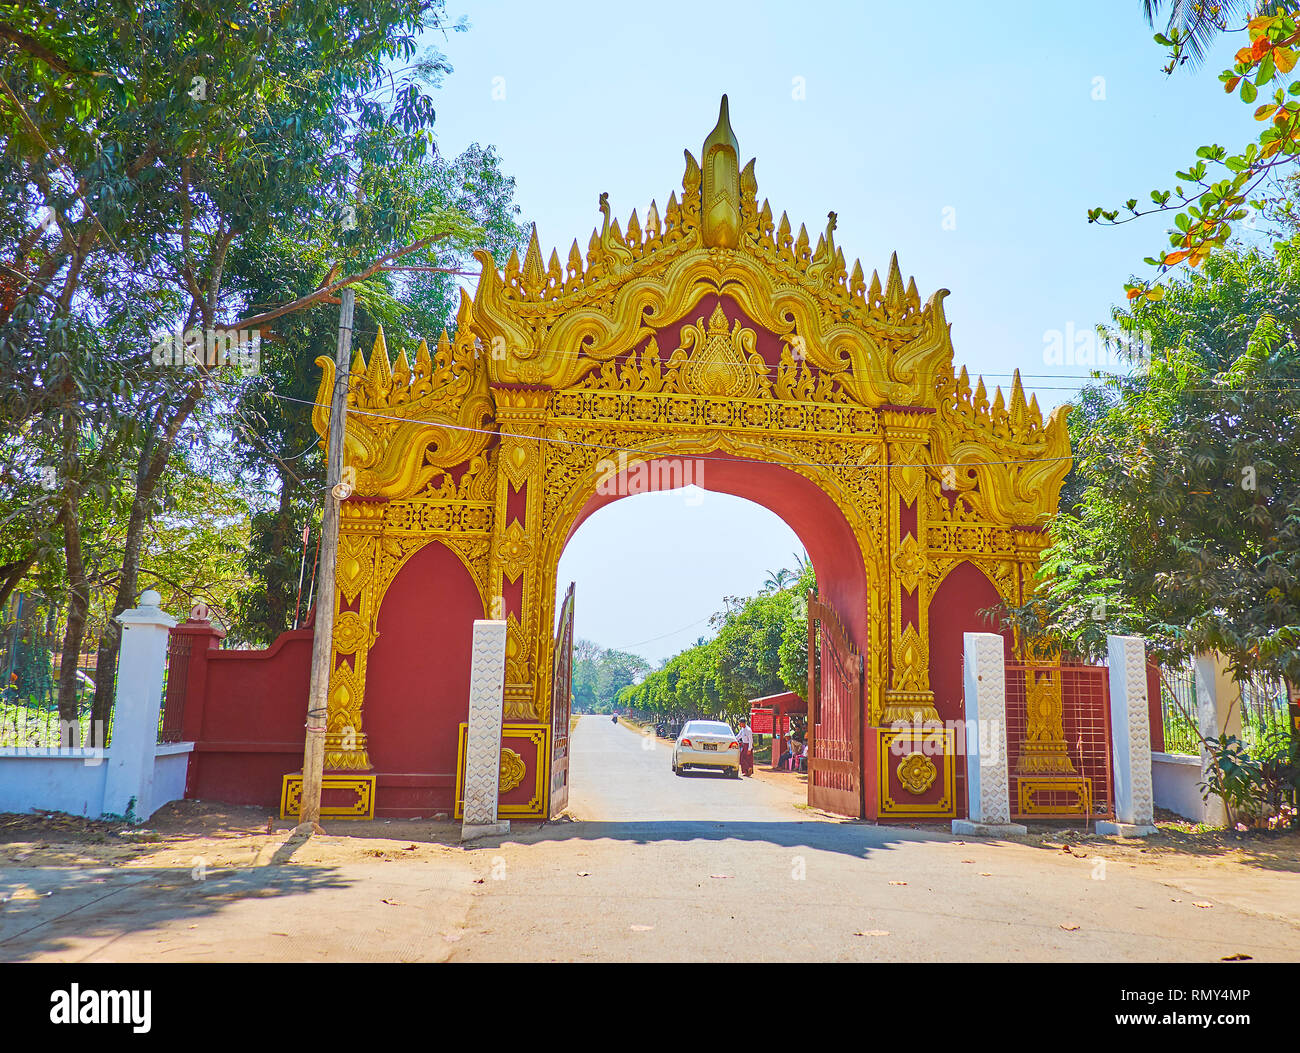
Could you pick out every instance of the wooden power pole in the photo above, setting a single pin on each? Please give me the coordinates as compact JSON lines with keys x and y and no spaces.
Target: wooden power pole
{"x":322,"y":651}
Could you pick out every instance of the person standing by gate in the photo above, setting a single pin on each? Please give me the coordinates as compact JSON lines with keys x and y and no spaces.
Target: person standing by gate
{"x":746,"y":739}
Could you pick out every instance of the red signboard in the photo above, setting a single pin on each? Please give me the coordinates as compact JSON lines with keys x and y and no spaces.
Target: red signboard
{"x":760,"y":722}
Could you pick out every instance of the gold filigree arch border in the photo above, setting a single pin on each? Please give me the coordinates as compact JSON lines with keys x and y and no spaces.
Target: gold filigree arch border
{"x":558,"y":530}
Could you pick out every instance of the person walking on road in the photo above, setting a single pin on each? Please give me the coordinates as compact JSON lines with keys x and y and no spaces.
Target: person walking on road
{"x":746,"y":739}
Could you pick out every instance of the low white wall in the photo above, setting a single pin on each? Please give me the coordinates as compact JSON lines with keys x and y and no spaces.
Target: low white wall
{"x":55,"y":780}
{"x":1176,"y":778}
{"x":73,"y":780}
{"x":170,"y":766}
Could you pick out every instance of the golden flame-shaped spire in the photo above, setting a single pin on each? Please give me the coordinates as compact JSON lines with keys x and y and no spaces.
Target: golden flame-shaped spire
{"x":720,"y":186}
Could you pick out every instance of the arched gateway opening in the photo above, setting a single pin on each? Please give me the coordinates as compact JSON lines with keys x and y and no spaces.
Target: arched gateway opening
{"x":710,"y":335}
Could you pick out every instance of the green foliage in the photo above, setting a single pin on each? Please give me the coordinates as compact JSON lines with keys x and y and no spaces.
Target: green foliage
{"x":760,"y":648}
{"x":1222,"y":188}
{"x":1184,"y":523}
{"x":1257,"y":787}
{"x":599,"y":674}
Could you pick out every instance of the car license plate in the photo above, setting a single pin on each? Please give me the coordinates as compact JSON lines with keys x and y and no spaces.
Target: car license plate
{"x":711,"y":746}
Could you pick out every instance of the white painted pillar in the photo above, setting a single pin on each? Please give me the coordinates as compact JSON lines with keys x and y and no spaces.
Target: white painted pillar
{"x":1130,"y":729}
{"x":142,"y":658}
{"x":1218,"y":714}
{"x":487,"y":682}
{"x":988,"y":800}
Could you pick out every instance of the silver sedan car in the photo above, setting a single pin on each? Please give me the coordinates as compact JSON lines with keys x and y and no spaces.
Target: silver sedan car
{"x":707,"y":744}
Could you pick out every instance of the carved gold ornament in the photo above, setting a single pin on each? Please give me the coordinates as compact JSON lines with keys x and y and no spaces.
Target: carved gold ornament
{"x":512,"y":770}
{"x":916,"y":773}
{"x":909,"y":563}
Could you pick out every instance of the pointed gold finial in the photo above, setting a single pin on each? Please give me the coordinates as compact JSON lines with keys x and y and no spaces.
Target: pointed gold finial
{"x":720,"y":187}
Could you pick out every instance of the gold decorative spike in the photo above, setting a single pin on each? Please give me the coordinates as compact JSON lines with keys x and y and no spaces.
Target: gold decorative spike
{"x":653,"y":227}
{"x":554,"y":274}
{"x":673,"y":213}
{"x":857,"y":283}
{"x":633,"y":231}
{"x":690,"y":203}
{"x":512,"y":268}
{"x":913,"y":297}
{"x":533,"y":277}
{"x":720,"y":203}
{"x":801,"y":250}
{"x":894,"y":286}
{"x":873,"y":293}
{"x":783,"y":239}
{"x":575,"y":260}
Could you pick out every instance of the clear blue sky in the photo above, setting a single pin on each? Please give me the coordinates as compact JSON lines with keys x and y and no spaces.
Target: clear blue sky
{"x":987,"y":109}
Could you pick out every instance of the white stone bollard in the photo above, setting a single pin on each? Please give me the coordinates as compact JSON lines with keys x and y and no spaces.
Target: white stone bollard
{"x":1130,"y":729}
{"x":988,"y":800}
{"x":142,"y":658}
{"x":487,"y":681}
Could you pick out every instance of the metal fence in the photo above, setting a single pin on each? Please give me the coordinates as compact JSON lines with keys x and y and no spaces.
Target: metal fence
{"x":1178,"y":709}
{"x":31,"y":661}
{"x":1263,"y":706}
{"x":1059,"y":742}
{"x":171,"y":715}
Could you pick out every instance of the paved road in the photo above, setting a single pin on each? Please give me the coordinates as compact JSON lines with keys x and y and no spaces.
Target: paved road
{"x":707,"y":868}
{"x":658,"y":868}
{"x":617,"y":774}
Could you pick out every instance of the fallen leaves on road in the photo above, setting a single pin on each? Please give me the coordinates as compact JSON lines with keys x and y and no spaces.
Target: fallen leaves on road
{"x":584,"y":873}
{"x":1070,"y":926}
{"x":1203,"y":905}
{"x":641,"y":928}
{"x":968,"y":861}
{"x":872,"y":932}
{"x":985,"y":873}
{"x":898,"y":882}
{"x":393,"y":902}
{"x":1236,"y":958}
{"x":721,"y":876}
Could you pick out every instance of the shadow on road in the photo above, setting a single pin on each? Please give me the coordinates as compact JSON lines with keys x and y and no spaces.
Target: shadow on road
{"x":847,"y":838}
{"x":49,"y":905}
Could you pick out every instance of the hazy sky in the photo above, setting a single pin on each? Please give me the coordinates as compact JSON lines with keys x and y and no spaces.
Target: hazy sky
{"x":1008,"y":120}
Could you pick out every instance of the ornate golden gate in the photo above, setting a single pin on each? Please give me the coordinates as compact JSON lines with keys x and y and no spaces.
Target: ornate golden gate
{"x":561,"y":706}
{"x":710,"y":330}
{"x":835,"y":671}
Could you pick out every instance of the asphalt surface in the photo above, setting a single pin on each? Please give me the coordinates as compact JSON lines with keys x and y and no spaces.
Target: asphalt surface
{"x":616,"y":774}
{"x":659,"y":868}
{"x":706,"y":868}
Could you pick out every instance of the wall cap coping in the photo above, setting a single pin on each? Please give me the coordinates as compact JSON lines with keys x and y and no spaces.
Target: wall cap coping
{"x":1175,"y":758}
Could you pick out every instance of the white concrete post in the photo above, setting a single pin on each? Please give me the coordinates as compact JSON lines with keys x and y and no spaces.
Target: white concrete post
{"x":1218,"y":714}
{"x":487,"y":682}
{"x":142,"y":658}
{"x":1130,"y":729}
{"x":988,"y":800}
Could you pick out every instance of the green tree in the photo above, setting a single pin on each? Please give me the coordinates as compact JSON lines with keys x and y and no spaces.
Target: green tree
{"x":1186,"y":527}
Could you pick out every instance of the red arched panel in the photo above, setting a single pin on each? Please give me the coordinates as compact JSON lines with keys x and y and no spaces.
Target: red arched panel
{"x":955,"y":610}
{"x":417,"y":681}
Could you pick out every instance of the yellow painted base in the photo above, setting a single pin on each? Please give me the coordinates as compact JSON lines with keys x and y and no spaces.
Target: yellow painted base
{"x":1078,"y":785}
{"x":538,"y":804}
{"x":362,"y":785}
{"x":893,"y":769}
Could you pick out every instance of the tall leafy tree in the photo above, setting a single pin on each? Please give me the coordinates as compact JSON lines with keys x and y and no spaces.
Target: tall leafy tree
{"x":1185,"y":526}
{"x":143,"y":146}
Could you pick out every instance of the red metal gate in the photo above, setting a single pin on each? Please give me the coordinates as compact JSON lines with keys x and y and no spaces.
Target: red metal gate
{"x":835,"y":675}
{"x":561,"y":704}
{"x":1059,"y":742}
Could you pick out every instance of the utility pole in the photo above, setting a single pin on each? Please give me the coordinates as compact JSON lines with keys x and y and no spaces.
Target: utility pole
{"x":322,"y":651}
